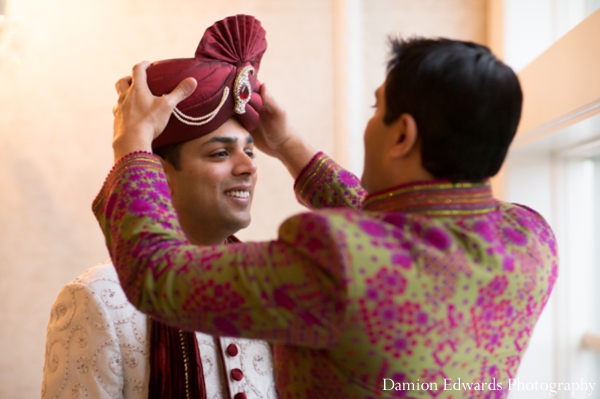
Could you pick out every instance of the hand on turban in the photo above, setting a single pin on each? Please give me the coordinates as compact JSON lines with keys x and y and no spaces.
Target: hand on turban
{"x":225,"y":66}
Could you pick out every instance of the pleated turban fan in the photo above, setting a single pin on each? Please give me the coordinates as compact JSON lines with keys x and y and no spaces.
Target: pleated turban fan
{"x":225,"y":65}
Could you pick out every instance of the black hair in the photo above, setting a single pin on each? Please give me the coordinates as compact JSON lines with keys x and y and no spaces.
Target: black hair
{"x":170,"y":153}
{"x":465,"y":102}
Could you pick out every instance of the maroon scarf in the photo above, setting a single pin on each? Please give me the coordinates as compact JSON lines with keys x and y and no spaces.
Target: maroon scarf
{"x":175,"y":364}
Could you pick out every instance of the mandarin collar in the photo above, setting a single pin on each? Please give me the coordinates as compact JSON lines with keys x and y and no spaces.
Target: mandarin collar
{"x":435,"y":197}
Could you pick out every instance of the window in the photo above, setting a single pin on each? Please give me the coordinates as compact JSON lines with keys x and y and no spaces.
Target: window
{"x":562,"y":182}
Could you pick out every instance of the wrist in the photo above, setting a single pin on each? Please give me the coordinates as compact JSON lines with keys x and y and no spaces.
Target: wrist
{"x":295,"y":153}
{"x":127,"y":144}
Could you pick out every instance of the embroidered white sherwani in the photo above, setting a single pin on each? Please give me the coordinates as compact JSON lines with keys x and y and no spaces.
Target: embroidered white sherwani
{"x":97,"y":346}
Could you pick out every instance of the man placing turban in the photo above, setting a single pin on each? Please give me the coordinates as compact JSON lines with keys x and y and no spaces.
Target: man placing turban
{"x":98,"y":345}
{"x":425,"y":281}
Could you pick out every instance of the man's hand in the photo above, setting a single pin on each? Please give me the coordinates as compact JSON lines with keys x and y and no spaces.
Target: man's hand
{"x":276,"y":137}
{"x":274,"y":129}
{"x":140,"y":116}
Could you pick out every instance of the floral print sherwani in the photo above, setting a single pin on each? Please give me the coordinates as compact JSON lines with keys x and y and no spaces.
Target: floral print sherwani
{"x":399,"y":294}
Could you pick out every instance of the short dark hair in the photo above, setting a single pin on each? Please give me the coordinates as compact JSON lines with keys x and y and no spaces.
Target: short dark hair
{"x":466,"y":104}
{"x":170,"y":153}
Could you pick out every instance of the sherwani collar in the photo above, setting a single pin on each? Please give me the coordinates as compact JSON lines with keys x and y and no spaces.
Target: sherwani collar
{"x":435,"y":197}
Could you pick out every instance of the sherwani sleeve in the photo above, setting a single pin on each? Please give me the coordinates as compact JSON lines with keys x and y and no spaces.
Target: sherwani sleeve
{"x":292,"y":290}
{"x":82,"y":356}
{"x":325,"y":184}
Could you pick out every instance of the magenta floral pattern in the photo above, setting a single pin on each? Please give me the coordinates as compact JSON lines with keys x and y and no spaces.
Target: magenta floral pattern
{"x":428,"y":282}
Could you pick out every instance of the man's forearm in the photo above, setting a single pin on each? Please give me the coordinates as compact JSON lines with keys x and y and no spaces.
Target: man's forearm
{"x":295,"y":154}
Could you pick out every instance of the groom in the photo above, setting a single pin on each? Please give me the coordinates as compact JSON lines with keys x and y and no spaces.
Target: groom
{"x":98,"y":345}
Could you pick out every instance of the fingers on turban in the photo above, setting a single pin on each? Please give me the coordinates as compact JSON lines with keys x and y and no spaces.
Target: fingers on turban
{"x":226,"y":65}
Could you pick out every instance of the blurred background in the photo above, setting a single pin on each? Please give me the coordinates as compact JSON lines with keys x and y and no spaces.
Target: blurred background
{"x":59,"y":61}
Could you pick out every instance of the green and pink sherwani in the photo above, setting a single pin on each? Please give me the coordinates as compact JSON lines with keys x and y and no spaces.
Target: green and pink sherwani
{"x":424,"y":283}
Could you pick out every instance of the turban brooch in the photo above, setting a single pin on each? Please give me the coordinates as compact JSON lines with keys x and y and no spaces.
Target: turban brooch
{"x":225,"y":66}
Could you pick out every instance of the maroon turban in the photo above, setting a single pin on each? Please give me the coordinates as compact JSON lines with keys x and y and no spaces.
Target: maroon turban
{"x":225,"y":66}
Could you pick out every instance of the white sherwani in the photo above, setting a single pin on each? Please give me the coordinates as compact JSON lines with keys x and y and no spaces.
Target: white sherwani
{"x":97,"y":346}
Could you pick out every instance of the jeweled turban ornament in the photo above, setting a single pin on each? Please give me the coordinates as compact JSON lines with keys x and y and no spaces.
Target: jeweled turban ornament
{"x":242,"y":89}
{"x":225,"y":65}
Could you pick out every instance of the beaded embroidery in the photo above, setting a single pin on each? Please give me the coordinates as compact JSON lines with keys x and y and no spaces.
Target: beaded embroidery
{"x":201,"y":120}
{"x":435,"y":198}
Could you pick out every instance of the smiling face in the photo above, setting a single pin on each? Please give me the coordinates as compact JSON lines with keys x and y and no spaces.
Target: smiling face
{"x":212,"y":192}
